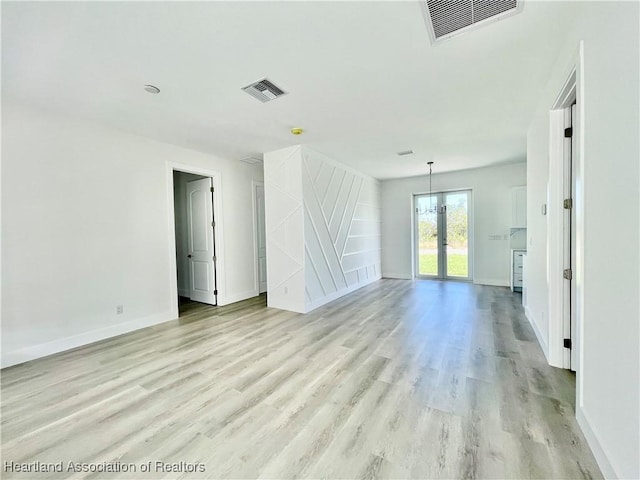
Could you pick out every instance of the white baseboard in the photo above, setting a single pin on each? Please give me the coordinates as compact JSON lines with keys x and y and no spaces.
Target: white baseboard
{"x":534,"y":325}
{"x":63,"y":344}
{"x":596,"y":448}
{"x":236,"y":297}
{"x":276,"y":302}
{"x":335,"y":295}
{"x":399,"y":276}
{"x":492,"y":282}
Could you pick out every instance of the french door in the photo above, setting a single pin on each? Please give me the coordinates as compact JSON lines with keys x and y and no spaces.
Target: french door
{"x":442,"y":239}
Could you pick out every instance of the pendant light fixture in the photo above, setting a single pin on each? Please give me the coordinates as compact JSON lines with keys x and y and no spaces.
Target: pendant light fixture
{"x":431,"y":208}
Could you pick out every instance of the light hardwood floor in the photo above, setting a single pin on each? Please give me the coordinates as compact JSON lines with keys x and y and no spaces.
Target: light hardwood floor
{"x":400,"y":379}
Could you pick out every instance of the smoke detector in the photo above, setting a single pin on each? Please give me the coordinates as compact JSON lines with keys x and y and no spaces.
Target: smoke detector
{"x":264,"y":90}
{"x":449,"y":18}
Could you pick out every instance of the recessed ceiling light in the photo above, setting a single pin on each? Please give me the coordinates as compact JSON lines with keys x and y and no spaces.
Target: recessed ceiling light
{"x":151,"y":89}
{"x":296,"y":131}
{"x":405,"y":152}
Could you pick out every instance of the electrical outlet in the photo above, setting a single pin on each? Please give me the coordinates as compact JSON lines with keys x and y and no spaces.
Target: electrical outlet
{"x":119,"y":309}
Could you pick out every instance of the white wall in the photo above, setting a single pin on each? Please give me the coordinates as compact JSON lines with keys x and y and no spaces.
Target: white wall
{"x":180,"y":180}
{"x":608,"y":397}
{"x":323,"y":229}
{"x":491,"y":205}
{"x":86,"y":226}
{"x":284,"y":223}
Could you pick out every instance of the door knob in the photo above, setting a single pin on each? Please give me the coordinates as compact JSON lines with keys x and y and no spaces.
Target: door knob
{"x":189,"y":256}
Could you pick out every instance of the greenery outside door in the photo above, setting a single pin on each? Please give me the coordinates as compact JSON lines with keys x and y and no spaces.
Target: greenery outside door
{"x":443,"y":242}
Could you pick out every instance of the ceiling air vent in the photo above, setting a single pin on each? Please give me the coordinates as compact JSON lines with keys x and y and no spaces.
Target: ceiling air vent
{"x":448,"y":18}
{"x":252,"y":160}
{"x":264,"y":90}
{"x":405,"y":152}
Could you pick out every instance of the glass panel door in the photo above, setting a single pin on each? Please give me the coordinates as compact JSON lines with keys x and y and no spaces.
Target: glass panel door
{"x":427,"y":243}
{"x":456,"y":209}
{"x":442,"y":239}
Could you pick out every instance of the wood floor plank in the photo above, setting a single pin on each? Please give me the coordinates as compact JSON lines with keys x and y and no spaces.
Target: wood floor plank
{"x":400,"y":379}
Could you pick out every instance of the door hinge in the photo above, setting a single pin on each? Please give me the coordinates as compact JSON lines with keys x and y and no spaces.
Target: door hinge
{"x":567,"y":343}
{"x":213,"y":224}
{"x":215,"y":292}
{"x":214,"y":258}
{"x":568,"y":132}
{"x":567,"y":274}
{"x":212,"y":189}
{"x":568,"y":203}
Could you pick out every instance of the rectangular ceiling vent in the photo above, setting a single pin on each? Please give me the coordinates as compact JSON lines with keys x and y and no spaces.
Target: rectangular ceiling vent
{"x":448,"y":18}
{"x":405,"y":152}
{"x":264,"y":90}
{"x":252,"y":160}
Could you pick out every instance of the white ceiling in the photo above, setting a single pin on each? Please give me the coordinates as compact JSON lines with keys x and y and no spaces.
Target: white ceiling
{"x":363,"y":79}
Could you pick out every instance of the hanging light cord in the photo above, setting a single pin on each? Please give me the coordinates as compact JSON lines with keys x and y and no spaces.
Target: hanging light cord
{"x":430,"y":196}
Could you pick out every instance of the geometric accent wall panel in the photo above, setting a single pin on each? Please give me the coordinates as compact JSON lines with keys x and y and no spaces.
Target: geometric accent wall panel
{"x":322,"y":228}
{"x":341,"y":227}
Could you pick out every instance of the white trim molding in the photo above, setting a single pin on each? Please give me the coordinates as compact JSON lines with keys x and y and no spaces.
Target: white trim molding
{"x":236,"y":297}
{"x":83,"y":339}
{"x":398,"y":276}
{"x":596,"y":447}
{"x":493,"y":282}
{"x":341,"y":293}
{"x":534,"y":325}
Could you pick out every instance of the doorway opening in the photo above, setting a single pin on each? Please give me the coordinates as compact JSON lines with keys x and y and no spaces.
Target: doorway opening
{"x":443,"y":243}
{"x":260,"y":237}
{"x":194,"y":229}
{"x":564,"y":227}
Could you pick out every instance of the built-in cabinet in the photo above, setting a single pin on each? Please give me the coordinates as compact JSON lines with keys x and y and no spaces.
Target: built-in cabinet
{"x":517,"y":265}
{"x":518,"y":236}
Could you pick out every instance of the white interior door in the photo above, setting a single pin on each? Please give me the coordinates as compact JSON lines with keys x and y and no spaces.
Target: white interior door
{"x":261,"y":239}
{"x":574,"y":304}
{"x":202,"y":276}
{"x":569,"y":223}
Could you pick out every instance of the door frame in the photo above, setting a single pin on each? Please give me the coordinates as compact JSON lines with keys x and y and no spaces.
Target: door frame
{"x":254,"y":197}
{"x":217,"y":232}
{"x":557,"y":234}
{"x":414,"y":236}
